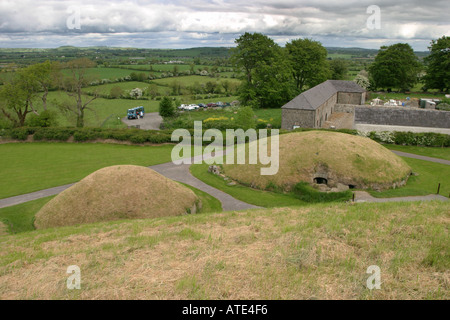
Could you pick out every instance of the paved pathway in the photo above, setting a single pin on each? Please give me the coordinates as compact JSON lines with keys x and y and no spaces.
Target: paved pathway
{"x":362,"y":196}
{"x":151,"y":121}
{"x":416,"y":156}
{"x":181,"y":173}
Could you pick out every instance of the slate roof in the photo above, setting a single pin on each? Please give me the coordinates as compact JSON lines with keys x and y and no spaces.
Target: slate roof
{"x":315,"y":97}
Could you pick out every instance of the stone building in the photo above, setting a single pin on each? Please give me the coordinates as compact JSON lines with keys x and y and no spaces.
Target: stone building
{"x":313,"y":108}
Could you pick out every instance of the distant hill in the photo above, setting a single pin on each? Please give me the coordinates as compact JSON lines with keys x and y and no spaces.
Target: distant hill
{"x":26,"y":56}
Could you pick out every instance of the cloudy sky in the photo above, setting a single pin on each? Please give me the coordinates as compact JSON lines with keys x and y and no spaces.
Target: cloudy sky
{"x":195,"y":23}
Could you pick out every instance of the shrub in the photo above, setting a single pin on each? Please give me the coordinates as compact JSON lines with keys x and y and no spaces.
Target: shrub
{"x":245,"y":118}
{"x":85,"y":134}
{"x":45,"y":119}
{"x":20,"y":133}
{"x":58,"y":134}
{"x":306,"y":193}
{"x":166,"y":108}
{"x":138,"y":138}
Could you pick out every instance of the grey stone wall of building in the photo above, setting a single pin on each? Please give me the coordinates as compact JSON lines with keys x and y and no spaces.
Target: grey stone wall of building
{"x":324,"y":111}
{"x":295,"y":117}
{"x":351,"y":98}
{"x":397,"y":116}
{"x":345,"y":108}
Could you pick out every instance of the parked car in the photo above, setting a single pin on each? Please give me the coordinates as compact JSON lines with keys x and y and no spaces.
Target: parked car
{"x":211,"y":105}
{"x":190,"y":107}
{"x":201,"y":105}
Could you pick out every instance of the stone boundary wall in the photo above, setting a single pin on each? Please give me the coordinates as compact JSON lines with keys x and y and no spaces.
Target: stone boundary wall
{"x":401,"y":116}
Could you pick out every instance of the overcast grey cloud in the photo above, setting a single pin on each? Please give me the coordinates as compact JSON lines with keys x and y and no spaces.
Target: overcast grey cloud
{"x":181,"y":24}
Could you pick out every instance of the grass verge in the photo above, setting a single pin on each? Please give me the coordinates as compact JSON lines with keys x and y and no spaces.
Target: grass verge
{"x":19,"y":218}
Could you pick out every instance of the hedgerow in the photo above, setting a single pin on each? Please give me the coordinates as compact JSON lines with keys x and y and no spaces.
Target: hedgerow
{"x":137,"y":136}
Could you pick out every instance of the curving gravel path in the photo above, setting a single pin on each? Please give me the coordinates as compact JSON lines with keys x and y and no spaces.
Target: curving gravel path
{"x":182,"y":174}
{"x":416,"y":156}
{"x":362,"y":196}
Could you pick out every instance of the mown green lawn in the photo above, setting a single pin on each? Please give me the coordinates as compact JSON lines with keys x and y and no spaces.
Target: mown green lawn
{"x":20,"y":218}
{"x":28,"y":167}
{"x":429,"y":175}
{"x":253,"y":196}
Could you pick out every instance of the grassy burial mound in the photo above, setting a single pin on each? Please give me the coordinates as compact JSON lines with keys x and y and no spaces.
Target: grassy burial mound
{"x":118,"y":192}
{"x":330,"y":161}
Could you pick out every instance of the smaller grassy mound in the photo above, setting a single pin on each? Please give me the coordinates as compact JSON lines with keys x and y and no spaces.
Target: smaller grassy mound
{"x":3,"y":229}
{"x":332,"y":158}
{"x":114,"y":193}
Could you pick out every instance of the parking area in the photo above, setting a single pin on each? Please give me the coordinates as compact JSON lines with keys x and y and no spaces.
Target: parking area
{"x":150,"y":121}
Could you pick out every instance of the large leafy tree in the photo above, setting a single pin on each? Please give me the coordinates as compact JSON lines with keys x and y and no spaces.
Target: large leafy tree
{"x":19,"y":95}
{"x":77,"y":79}
{"x":395,"y":66}
{"x":308,"y":60}
{"x":338,"y":68}
{"x":264,"y":70}
{"x":438,"y":65}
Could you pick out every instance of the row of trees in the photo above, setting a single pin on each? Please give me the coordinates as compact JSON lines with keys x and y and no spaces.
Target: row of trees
{"x":272,"y":75}
{"x":397,"y":66}
{"x":19,"y":95}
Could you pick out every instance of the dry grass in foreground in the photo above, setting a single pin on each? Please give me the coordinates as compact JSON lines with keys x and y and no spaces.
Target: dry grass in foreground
{"x":3,"y":229}
{"x":114,"y":193}
{"x":320,"y":251}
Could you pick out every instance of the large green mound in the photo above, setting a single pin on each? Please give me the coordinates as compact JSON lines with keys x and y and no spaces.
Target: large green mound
{"x":331,"y":159}
{"x":118,"y":192}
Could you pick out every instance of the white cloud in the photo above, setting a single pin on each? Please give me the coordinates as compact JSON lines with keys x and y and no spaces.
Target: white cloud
{"x":219,"y":21}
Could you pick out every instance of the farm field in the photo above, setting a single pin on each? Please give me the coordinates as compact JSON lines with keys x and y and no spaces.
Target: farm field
{"x":101,"y":110}
{"x":105,"y":73}
{"x":240,"y":255}
{"x":190,"y":80}
{"x":128,"y":85}
{"x":160,"y":68}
